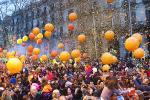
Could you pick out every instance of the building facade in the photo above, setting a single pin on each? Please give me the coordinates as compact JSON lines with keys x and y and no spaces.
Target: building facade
{"x":94,"y":18}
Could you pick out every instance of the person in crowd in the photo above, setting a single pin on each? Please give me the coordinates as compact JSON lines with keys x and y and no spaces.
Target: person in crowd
{"x":75,"y":81}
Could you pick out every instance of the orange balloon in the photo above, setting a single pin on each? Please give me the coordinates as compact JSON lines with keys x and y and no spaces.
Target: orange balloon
{"x":1,"y":49}
{"x":36,"y":31}
{"x":60,"y":45}
{"x":73,"y":17}
{"x":44,"y":57}
{"x":106,"y":58}
{"x":30,"y":48}
{"x":138,"y":53}
{"x":105,"y":68}
{"x":34,"y":57}
{"x":54,"y":53}
{"x":131,"y":44}
{"x":138,"y":36}
{"x":81,"y":38}
{"x":49,"y":27}
{"x":47,"y":34}
{"x":110,"y":1}
{"x":75,"y":53}
{"x":115,"y":59}
{"x":64,"y":56}
{"x":109,"y":35}
{"x":39,"y":41}
{"x":36,"y":51}
{"x":71,"y":27}
{"x":14,"y":65}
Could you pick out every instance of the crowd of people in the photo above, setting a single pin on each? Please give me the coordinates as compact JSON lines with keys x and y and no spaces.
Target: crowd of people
{"x":54,"y":80}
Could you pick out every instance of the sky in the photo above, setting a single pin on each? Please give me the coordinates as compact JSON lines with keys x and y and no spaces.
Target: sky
{"x":6,"y":8}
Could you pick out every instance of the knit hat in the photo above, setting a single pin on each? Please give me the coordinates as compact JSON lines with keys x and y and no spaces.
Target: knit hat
{"x":13,"y":80}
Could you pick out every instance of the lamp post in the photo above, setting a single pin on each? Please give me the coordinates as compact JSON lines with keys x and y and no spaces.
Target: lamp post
{"x":130,"y":17}
{"x":94,"y":30}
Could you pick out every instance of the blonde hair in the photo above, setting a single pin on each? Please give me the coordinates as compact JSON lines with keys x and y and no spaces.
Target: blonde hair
{"x":56,"y":94}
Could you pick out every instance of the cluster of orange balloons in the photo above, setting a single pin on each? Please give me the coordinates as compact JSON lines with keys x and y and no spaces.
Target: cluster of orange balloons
{"x":132,"y":44}
{"x":37,"y":36}
{"x":72,"y":17}
{"x":108,"y":58}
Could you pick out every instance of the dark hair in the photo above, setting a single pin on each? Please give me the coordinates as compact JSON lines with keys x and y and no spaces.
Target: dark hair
{"x":111,"y":82}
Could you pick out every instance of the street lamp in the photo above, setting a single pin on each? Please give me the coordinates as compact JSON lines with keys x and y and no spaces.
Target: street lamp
{"x":94,"y":31}
{"x":130,"y":17}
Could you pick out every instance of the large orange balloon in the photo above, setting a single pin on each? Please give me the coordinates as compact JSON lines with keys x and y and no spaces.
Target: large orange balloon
{"x":54,"y":53}
{"x":47,"y":34}
{"x":107,"y":58}
{"x":14,"y":65}
{"x":60,"y":45}
{"x":131,"y":44}
{"x":64,"y":56}
{"x":36,"y":31}
{"x":73,"y":16}
{"x":30,"y":48}
{"x":39,"y":41}
{"x":138,"y":36}
{"x":109,"y":35}
{"x":75,"y":53}
{"x":44,"y":57}
{"x":31,"y":36}
{"x":49,"y":27}
{"x":70,"y":27}
{"x":105,"y":68}
{"x":138,"y":53}
{"x":115,"y":59}
{"x":81,"y":38}
{"x":36,"y":51}
{"x":34,"y":57}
